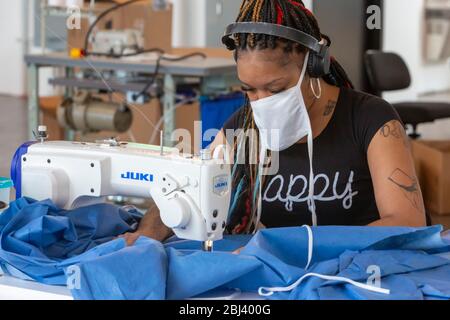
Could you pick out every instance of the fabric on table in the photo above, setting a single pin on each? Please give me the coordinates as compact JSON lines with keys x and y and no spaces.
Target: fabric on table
{"x":41,"y":242}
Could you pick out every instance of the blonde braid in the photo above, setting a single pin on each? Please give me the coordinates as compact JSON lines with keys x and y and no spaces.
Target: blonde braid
{"x":245,"y":7}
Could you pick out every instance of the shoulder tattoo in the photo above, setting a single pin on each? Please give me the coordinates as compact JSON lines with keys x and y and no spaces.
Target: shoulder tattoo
{"x":395,"y":130}
{"x":330,"y":106}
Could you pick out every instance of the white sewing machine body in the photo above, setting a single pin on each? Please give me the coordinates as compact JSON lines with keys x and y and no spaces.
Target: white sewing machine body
{"x":192,"y":194}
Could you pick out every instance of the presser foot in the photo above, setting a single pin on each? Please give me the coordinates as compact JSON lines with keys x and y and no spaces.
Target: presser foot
{"x":208,"y":245}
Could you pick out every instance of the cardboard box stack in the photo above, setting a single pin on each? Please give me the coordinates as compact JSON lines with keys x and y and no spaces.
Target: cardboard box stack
{"x":156,"y":25}
{"x":157,"y":28}
{"x":432,"y":159}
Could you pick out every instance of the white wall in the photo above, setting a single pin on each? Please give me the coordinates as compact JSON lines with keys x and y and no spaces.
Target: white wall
{"x":404,"y":34}
{"x":12,"y":79}
{"x":188,"y":22}
{"x":426,"y":77}
{"x":308,"y":3}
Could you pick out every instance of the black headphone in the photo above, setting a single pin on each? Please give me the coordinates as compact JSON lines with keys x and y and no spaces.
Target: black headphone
{"x":319,"y":56}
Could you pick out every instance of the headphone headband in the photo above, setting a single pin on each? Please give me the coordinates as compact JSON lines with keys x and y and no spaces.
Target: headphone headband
{"x":319,"y":59}
{"x":276,"y":30}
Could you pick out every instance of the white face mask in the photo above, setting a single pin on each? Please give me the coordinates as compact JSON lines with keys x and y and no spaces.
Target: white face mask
{"x":283,"y":120}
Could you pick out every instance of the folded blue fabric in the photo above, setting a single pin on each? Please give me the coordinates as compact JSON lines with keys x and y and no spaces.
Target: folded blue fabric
{"x":41,"y":242}
{"x":277,"y":257}
{"x":116,"y":271}
{"x":284,"y":255}
{"x":36,"y":237}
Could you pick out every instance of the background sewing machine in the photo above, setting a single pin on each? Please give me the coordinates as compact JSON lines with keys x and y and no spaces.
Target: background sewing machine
{"x":191,"y":192}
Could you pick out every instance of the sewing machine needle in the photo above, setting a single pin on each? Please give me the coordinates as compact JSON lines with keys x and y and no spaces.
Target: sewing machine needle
{"x":161,"y":141}
{"x":208,"y":246}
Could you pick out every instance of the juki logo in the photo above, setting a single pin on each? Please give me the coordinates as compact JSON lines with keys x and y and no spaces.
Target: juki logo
{"x":221,"y":185}
{"x":137,"y":176}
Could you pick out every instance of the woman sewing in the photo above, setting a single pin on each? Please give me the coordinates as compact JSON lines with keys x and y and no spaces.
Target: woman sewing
{"x":342,"y":156}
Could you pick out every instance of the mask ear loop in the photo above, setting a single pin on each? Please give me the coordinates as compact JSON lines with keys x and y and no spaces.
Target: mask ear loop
{"x":319,"y":95}
{"x":262,"y":159}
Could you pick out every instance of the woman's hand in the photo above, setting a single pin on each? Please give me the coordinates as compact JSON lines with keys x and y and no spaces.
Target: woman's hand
{"x":130,"y":237}
{"x":238,"y":251}
{"x":151,"y":226}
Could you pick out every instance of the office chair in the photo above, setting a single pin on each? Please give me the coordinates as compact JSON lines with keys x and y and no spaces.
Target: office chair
{"x":388,"y":72}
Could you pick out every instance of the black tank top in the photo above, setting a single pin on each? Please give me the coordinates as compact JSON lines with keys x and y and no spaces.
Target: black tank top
{"x":344,"y":193}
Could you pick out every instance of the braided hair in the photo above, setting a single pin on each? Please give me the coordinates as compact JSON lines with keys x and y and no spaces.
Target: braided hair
{"x":288,"y":13}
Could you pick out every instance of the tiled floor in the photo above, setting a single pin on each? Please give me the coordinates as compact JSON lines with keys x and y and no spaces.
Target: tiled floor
{"x":13,"y":129}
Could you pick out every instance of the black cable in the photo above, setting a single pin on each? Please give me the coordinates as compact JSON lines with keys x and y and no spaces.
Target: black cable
{"x":158,"y":50}
{"x":103,"y":14}
{"x":157,"y":67}
{"x":112,"y":55}
{"x":187,"y":56}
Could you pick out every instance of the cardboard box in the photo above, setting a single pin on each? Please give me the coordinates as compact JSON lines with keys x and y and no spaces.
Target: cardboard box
{"x":443,"y":220}
{"x":76,"y":37}
{"x":144,"y":132}
{"x":185,"y":117}
{"x":156,"y":25}
{"x":48,"y":107}
{"x":146,"y":118}
{"x":143,"y":129}
{"x":432,"y":160}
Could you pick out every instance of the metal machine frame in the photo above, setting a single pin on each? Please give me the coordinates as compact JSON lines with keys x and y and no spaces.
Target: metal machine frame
{"x":216,"y":76}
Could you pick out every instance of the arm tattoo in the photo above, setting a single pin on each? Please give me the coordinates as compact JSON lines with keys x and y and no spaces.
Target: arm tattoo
{"x":409,"y":187}
{"x":329,"y":108}
{"x":395,"y":129}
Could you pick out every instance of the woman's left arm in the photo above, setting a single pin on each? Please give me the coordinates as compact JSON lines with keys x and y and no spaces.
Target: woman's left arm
{"x":397,"y":191}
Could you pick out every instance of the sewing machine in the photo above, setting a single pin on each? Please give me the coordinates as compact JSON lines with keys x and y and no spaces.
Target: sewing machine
{"x":191,"y":192}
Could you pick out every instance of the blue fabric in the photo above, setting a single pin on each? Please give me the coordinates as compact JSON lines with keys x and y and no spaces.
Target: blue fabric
{"x":41,"y":242}
{"x":214,"y":112}
{"x":115,"y":271}
{"x":38,"y":239}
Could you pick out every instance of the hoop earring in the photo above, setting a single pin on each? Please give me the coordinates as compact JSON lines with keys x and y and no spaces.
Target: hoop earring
{"x":319,"y":95}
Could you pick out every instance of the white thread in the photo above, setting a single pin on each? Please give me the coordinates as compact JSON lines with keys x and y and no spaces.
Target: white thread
{"x":131,"y":136}
{"x":271,"y":291}
{"x":266,"y":291}
{"x":311,"y":202}
{"x":262,"y":159}
{"x":310,"y":245}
